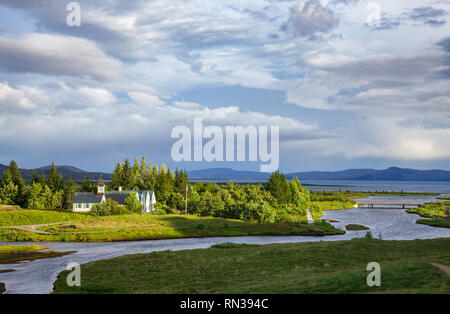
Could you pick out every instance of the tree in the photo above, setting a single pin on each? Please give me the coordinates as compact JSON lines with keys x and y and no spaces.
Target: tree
{"x":68,"y":194}
{"x":132,"y":203}
{"x":144,"y":175}
{"x":261,"y":213}
{"x":86,"y":184}
{"x":108,"y":208}
{"x":16,"y":175}
{"x":299,"y":196}
{"x":42,"y":179}
{"x":279,"y":187}
{"x":8,"y":193}
{"x":13,"y":175}
{"x":162,"y":187}
{"x":35,"y":178}
{"x":35,"y":198}
{"x":52,"y":180}
{"x":116,"y":180}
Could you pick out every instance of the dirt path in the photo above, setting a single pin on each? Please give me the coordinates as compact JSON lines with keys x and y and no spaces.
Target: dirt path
{"x":34,"y":228}
{"x":444,"y":268}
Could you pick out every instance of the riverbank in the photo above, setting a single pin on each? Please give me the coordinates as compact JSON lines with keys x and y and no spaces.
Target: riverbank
{"x":13,"y":254}
{"x":136,"y":227}
{"x":438,"y":214}
{"x":323,"y":267}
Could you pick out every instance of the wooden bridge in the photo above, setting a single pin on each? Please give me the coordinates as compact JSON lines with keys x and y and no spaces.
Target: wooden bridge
{"x":371,"y":204}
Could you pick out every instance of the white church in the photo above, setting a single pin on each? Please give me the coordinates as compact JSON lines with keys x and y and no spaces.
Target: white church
{"x":84,"y":201}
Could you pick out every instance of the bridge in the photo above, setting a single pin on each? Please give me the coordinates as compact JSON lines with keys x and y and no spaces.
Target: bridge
{"x":371,"y":204}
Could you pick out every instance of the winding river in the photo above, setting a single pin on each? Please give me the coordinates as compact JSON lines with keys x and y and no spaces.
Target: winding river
{"x":38,"y":276}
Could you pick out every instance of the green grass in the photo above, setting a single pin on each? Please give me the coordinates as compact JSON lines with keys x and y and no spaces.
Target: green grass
{"x":10,"y":249}
{"x":150,"y":227}
{"x":435,"y":222}
{"x":11,"y":254}
{"x":333,"y":205}
{"x":356,"y":227}
{"x":438,"y":212}
{"x":36,"y":217}
{"x":322,"y":267}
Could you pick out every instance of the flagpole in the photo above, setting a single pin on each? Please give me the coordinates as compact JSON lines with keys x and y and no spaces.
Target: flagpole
{"x":185,"y":209}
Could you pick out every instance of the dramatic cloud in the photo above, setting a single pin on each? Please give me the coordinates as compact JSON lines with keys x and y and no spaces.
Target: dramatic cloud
{"x":20,"y":100}
{"x":310,"y":17}
{"x":56,"y":54}
{"x":428,"y":15}
{"x":342,"y":91}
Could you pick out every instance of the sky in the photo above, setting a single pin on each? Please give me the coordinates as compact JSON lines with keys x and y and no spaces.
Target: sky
{"x":349,"y":83}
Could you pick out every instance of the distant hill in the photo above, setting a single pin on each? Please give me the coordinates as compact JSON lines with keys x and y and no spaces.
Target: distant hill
{"x":227,"y":174}
{"x":391,"y":174}
{"x":66,"y":171}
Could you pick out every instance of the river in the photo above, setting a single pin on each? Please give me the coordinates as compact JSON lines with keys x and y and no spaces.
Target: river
{"x":38,"y":276}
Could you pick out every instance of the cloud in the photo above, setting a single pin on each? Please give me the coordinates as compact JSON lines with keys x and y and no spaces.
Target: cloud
{"x":426,"y":13}
{"x":85,"y":97}
{"x":145,"y":99}
{"x":57,"y":55}
{"x":20,"y":100}
{"x":310,"y":17}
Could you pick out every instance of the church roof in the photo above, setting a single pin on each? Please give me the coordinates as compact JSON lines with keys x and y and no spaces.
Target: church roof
{"x":87,"y":197}
{"x":118,"y":196}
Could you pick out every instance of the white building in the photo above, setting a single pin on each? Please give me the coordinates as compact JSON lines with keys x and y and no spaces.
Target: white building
{"x":84,"y":201}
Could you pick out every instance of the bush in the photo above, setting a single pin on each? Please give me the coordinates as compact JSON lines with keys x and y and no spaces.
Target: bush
{"x":161,"y":209}
{"x":108,"y":208}
{"x":261,"y":213}
{"x":292,"y":219}
{"x":132,"y":203}
{"x":199,"y":227}
{"x":368,"y":235}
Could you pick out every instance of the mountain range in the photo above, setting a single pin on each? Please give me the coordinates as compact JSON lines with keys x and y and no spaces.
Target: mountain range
{"x":226,"y":174}
{"x":66,"y":171}
{"x":390,"y":174}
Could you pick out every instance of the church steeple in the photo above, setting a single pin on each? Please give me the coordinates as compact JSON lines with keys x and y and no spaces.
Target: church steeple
{"x":100,"y":186}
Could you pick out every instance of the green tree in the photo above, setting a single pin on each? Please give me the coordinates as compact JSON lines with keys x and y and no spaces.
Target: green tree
{"x":87,"y":185}
{"x":12,"y":174}
{"x":42,"y":179}
{"x":52,"y":180}
{"x":68,"y":193}
{"x":15,"y":174}
{"x":35,"y":178}
{"x":279,"y":187}
{"x":116,"y":180}
{"x":132,"y":203}
{"x":108,"y":208}
{"x":299,"y":197}
{"x":9,"y":193}
{"x":35,"y":198}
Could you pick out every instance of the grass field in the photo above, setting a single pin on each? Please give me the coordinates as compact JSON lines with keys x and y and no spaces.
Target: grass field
{"x":333,"y":205}
{"x":150,"y":227}
{"x":36,"y":217}
{"x":11,"y":254}
{"x":322,"y":267}
{"x":438,"y":212}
